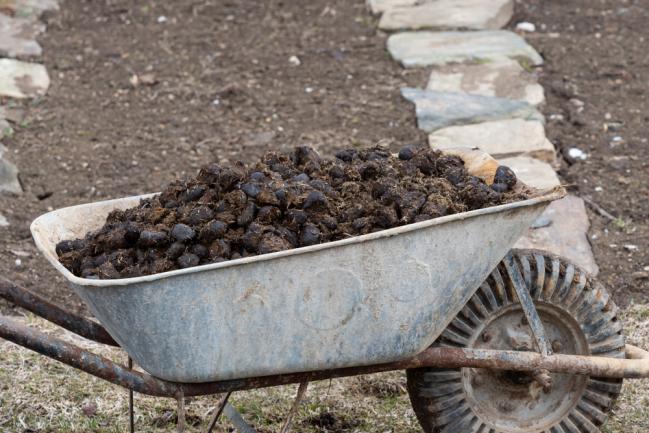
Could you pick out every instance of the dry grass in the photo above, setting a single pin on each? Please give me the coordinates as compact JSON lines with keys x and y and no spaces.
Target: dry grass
{"x":41,"y":395}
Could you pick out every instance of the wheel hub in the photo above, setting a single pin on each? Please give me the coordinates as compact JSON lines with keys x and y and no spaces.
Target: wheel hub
{"x":518,"y":402}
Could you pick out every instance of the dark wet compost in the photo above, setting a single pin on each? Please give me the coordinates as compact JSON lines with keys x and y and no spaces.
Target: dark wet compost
{"x":286,"y":200}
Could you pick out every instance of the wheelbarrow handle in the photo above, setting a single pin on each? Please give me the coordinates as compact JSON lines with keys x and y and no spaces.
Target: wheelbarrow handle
{"x":30,"y":301}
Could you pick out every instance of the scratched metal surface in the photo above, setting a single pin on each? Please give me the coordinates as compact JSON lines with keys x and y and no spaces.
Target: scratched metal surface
{"x":371,"y":299}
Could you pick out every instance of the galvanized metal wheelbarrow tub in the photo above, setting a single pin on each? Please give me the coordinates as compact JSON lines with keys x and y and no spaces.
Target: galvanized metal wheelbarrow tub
{"x":366,"y":304}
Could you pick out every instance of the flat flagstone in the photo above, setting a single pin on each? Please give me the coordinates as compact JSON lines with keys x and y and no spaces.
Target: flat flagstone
{"x":380,"y":6}
{"x":499,"y":138}
{"x":5,"y":128}
{"x":449,"y":14}
{"x":22,"y":79}
{"x":566,"y":235}
{"x":8,"y":175}
{"x":439,"y":48}
{"x":532,"y":172}
{"x":504,"y":78}
{"x":29,"y":8}
{"x":18,"y":36}
{"x":436,"y":110}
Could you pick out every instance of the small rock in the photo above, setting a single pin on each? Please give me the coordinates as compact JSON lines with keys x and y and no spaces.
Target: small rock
{"x":18,"y":263}
{"x":525,"y":26}
{"x":148,"y":79}
{"x":294,"y":60}
{"x":616,"y":141}
{"x":162,"y":19}
{"x":630,"y":247}
{"x":613,"y":126}
{"x":3,"y":221}
{"x":640,"y":275}
{"x":576,"y":154}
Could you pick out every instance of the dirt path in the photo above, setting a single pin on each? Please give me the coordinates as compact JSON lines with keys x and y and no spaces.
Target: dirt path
{"x":596,"y":55}
{"x":143,"y":94}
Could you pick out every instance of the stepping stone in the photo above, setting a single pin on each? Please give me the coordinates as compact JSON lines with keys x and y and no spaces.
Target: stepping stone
{"x":449,"y":14}
{"x":531,"y":171}
{"x":18,"y":36}
{"x":504,"y":78}
{"x":8,"y":175}
{"x":440,"y":48}
{"x":22,"y":79}
{"x":567,"y":234}
{"x":5,"y":127}
{"x":500,"y":138}
{"x":28,"y":8}
{"x":436,"y":110}
{"x":380,"y":6}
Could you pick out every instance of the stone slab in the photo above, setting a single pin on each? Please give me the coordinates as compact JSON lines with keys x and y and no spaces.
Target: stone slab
{"x":20,"y":79}
{"x":29,"y":8}
{"x":531,"y":171}
{"x":436,"y":110}
{"x":503,"y":78}
{"x":380,"y":6}
{"x":5,"y":127}
{"x":566,"y":235}
{"x":449,"y":14}
{"x":18,"y":36}
{"x":499,"y":138}
{"x":425,"y":48}
{"x":8,"y":174}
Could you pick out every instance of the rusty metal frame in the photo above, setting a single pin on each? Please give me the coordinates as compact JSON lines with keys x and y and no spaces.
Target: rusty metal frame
{"x":636,"y":366}
{"x":34,"y":303}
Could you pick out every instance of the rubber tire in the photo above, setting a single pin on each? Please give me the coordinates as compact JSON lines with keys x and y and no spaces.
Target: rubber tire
{"x":434,"y":392}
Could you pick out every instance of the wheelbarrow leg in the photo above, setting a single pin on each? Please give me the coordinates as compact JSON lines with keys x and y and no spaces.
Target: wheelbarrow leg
{"x":180,"y":426}
{"x":131,"y":416}
{"x":219,"y":410}
{"x":301,"y":392}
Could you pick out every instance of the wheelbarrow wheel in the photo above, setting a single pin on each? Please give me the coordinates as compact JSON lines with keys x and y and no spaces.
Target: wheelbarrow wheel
{"x":579,"y":318}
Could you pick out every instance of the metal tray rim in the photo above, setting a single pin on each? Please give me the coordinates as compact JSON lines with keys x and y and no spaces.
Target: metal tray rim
{"x":49,"y":254}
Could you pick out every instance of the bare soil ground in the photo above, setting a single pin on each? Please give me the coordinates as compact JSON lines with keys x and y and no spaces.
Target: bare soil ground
{"x":596,"y":54}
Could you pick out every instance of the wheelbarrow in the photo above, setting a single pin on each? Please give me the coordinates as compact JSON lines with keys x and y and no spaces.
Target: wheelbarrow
{"x":492,"y":339}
